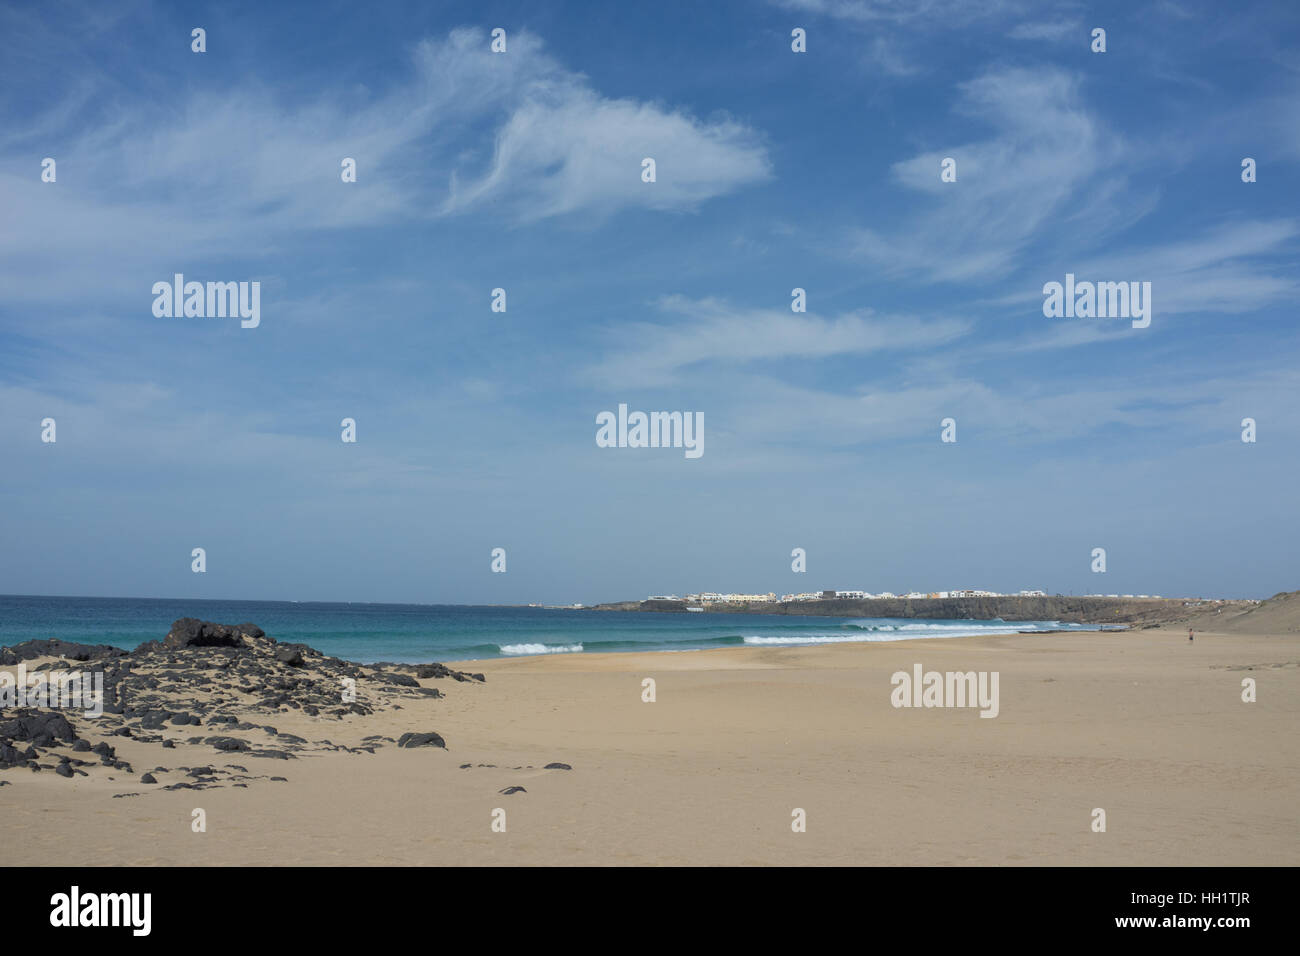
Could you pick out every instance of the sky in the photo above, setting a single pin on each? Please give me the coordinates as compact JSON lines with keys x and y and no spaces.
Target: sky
{"x":522,"y":170}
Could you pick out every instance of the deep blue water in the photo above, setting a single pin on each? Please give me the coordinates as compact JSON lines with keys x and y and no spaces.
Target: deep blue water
{"x":421,"y":633}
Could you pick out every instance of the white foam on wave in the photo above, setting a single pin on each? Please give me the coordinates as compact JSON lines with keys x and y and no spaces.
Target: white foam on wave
{"x":519,"y":649}
{"x":963,"y":627}
{"x":822,"y":639}
{"x":876,"y":637}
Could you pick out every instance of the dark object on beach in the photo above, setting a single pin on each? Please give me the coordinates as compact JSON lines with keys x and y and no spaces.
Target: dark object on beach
{"x":28,"y":650}
{"x":64,"y":770}
{"x":228,"y":743}
{"x":148,"y":778}
{"x":10,"y":757}
{"x":191,"y":632}
{"x":557,"y":766}
{"x":40,"y":728}
{"x":154,"y":720}
{"x":424,"y":671}
{"x":509,"y":790}
{"x":421,"y":740}
{"x":289,"y":654}
{"x":1189,"y":633}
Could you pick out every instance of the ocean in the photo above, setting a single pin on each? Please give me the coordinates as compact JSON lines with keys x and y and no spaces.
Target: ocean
{"x":420,"y":633}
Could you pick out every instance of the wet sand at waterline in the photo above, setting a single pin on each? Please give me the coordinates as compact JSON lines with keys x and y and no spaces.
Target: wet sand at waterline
{"x":1145,"y":725}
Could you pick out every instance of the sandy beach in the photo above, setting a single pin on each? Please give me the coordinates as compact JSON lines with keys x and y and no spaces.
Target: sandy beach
{"x":1145,"y":725}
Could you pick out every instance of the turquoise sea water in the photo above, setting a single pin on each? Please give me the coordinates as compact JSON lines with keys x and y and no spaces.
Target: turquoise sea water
{"x":420,"y":633}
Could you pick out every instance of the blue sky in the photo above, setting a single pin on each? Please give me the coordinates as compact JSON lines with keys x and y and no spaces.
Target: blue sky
{"x":521,"y":170}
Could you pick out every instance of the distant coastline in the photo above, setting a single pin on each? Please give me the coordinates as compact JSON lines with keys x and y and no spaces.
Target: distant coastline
{"x":1070,"y":609}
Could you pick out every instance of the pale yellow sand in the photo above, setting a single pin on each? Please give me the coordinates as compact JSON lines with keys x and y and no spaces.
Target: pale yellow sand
{"x":1144,"y":724}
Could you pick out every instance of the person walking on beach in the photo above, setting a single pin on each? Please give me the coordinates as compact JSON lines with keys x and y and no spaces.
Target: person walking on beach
{"x":1189,"y":633}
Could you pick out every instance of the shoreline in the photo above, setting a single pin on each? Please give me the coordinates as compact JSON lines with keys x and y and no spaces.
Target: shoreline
{"x":1143,"y":723}
{"x":484,"y":663}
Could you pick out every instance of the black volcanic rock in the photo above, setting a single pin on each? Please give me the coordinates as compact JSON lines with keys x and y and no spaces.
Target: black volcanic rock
{"x":289,"y":654}
{"x":230,"y":678}
{"x":29,"y":650}
{"x":424,"y":671}
{"x":154,"y":720}
{"x":557,"y":766}
{"x":35,"y":726}
{"x":191,"y":632}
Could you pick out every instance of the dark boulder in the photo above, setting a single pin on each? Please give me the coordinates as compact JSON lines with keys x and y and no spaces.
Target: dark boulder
{"x":191,"y":632}
{"x":421,"y":740}
{"x":154,"y":720}
{"x":424,"y":671}
{"x":289,"y":654}
{"x":29,"y":650}
{"x":38,"y":727}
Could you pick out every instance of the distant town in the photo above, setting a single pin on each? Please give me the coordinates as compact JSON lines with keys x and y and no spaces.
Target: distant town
{"x":713,"y":597}
{"x":940,"y":602}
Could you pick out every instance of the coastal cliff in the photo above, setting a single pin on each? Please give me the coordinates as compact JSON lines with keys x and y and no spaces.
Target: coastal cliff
{"x":1067,"y":609}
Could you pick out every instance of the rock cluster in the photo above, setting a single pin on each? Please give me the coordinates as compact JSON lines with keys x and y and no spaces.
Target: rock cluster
{"x":29,"y":650}
{"x":217,"y":679}
{"x":45,"y":732}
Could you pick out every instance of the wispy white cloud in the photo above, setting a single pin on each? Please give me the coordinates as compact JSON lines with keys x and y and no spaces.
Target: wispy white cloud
{"x":240,"y":168}
{"x":713,"y":331}
{"x":1046,"y":145}
{"x":1050,"y":30}
{"x":1226,"y":269}
{"x":566,"y":148}
{"x":1232,"y":268}
{"x":894,"y":31}
{"x":950,"y":12}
